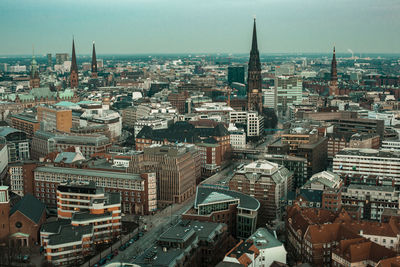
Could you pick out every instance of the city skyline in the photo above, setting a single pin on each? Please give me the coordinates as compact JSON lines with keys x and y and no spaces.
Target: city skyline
{"x":155,"y":27}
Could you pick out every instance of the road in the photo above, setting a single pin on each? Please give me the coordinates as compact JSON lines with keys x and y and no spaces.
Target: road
{"x":157,"y":224}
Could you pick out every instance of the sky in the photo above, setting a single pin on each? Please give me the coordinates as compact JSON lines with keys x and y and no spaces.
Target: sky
{"x":199,"y":26}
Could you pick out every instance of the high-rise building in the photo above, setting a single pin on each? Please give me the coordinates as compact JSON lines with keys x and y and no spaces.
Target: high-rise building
{"x":235,"y":74}
{"x":176,"y":171}
{"x":333,"y":86}
{"x":74,"y":68}
{"x":268,"y":182}
{"x":49,"y":60}
{"x":61,"y":58}
{"x":94,"y":63}
{"x":288,"y":90}
{"x":254,"y":82}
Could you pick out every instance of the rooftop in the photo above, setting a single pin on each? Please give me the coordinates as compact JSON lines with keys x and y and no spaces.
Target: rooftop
{"x":31,"y":207}
{"x":368,"y":152}
{"x":86,"y":172}
{"x":263,"y":239}
{"x":206,"y":195}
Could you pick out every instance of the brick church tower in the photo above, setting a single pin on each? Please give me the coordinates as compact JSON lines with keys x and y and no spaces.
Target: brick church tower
{"x":254,"y":93}
{"x":74,"y":68}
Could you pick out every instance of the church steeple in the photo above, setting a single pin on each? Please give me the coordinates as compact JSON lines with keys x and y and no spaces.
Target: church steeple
{"x":333,"y":87}
{"x":254,"y":94}
{"x":34,"y":79}
{"x":94,"y":62}
{"x":254,"y":46}
{"x":74,"y":68}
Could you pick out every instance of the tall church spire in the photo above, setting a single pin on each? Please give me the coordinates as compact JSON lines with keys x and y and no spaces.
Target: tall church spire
{"x":254,"y":42}
{"x":34,"y":79}
{"x":254,"y":94}
{"x":333,"y":87}
{"x":74,"y":68}
{"x":94,"y":62}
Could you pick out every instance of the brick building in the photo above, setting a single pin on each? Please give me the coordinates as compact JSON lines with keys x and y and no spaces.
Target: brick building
{"x":268,"y":182}
{"x":55,"y":118}
{"x":20,"y":224}
{"x":138,"y":191}
{"x":25,"y":122}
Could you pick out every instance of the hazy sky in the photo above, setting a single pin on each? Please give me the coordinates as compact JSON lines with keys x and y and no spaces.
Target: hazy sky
{"x":186,"y":26}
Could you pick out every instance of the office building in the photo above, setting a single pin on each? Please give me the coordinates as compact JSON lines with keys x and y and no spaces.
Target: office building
{"x":44,"y":143}
{"x":371,"y":199}
{"x":237,"y":210}
{"x":17,"y":143}
{"x":25,"y":122}
{"x":366,"y":162}
{"x":188,"y":243}
{"x":177,"y":168}
{"x":269,"y":98}
{"x":61,"y":58}
{"x":138,"y":191}
{"x":54,"y":118}
{"x":49,"y":61}
{"x":288,"y":90}
{"x":85,"y":212}
{"x":268,"y":182}
{"x":297,"y":165}
{"x":235,"y":74}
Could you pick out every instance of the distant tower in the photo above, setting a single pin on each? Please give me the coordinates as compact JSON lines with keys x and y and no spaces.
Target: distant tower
{"x":49,"y":61}
{"x":34,"y":79}
{"x":94,"y":63}
{"x":254,"y":93}
{"x":74,"y":68}
{"x":333,"y":86}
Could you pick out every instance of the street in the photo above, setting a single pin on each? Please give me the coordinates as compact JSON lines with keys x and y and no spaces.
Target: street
{"x":159,"y":223}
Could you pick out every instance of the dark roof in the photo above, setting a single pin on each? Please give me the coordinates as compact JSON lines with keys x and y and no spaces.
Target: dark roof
{"x":311,"y":195}
{"x":31,"y":207}
{"x":86,"y":215}
{"x":205,"y":195}
{"x":69,"y":233}
{"x":54,"y":227}
{"x":182,"y":131}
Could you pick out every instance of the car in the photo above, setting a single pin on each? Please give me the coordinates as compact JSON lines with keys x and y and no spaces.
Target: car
{"x":131,"y":241}
{"x":122,"y":248}
{"x":110,"y":256}
{"x":25,"y":258}
{"x":102,"y":261}
{"x":140,"y":234}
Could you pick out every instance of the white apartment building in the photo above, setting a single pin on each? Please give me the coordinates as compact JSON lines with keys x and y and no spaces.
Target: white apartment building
{"x":253,"y":121}
{"x":237,"y":137}
{"x":16,"y":179}
{"x":391,"y":145}
{"x":367,"y":162}
{"x":269,"y":98}
{"x":153,"y":122}
{"x":255,"y":124}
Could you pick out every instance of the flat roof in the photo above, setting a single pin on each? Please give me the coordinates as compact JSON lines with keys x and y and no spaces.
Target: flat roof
{"x":87,"y":172}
